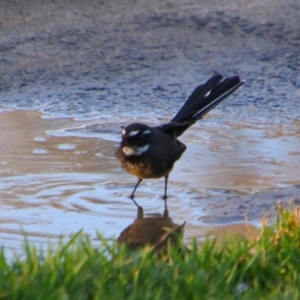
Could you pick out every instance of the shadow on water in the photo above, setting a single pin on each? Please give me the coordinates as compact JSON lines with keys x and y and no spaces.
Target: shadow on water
{"x":152,"y":230}
{"x":156,"y":230}
{"x":58,"y":176}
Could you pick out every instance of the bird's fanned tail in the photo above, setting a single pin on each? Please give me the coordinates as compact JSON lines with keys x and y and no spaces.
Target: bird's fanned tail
{"x":207,"y":96}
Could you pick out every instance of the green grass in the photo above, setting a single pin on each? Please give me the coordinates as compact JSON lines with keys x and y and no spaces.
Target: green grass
{"x":267,"y":268}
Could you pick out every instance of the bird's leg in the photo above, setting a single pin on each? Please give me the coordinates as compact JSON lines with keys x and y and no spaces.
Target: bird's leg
{"x":140,"y":209}
{"x":165,"y":195}
{"x":137,"y":184}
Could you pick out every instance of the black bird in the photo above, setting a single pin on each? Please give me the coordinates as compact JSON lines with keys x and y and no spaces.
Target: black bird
{"x":150,"y":152}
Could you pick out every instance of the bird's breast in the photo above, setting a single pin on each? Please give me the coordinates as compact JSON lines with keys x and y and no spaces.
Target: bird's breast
{"x":156,"y":162}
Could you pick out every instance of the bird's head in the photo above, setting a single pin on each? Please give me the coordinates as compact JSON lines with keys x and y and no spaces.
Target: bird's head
{"x":136,"y":139}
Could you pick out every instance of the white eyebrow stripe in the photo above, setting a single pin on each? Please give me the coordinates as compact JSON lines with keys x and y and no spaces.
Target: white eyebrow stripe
{"x":134,"y":132}
{"x":146,"y":132}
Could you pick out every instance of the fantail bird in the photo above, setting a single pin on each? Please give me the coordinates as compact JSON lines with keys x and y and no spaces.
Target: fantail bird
{"x":150,"y":152}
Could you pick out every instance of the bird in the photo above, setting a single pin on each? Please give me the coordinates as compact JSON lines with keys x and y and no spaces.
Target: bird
{"x":151,"y":152}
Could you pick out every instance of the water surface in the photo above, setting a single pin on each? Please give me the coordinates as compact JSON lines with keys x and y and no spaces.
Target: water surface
{"x":59,"y":175}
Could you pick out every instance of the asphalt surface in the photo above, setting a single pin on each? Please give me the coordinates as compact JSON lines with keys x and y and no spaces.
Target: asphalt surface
{"x":88,"y":58}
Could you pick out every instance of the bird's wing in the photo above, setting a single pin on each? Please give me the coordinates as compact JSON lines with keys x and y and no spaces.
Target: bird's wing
{"x":173,"y":128}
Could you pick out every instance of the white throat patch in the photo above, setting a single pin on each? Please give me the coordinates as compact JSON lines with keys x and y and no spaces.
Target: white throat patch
{"x":135,"y":151}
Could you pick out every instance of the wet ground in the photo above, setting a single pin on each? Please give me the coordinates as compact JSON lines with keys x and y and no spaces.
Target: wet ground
{"x":85,"y":70}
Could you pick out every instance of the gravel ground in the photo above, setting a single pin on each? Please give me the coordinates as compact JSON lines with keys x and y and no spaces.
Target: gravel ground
{"x":100,"y":57}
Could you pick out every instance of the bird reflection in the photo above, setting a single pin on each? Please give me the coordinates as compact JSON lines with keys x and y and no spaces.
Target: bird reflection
{"x":155,"y":230}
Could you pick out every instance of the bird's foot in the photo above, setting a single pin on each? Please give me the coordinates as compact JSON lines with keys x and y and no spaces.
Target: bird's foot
{"x":132,"y":198}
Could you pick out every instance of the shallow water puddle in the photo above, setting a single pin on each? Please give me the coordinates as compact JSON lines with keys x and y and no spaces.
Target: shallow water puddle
{"x":59,"y":176}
